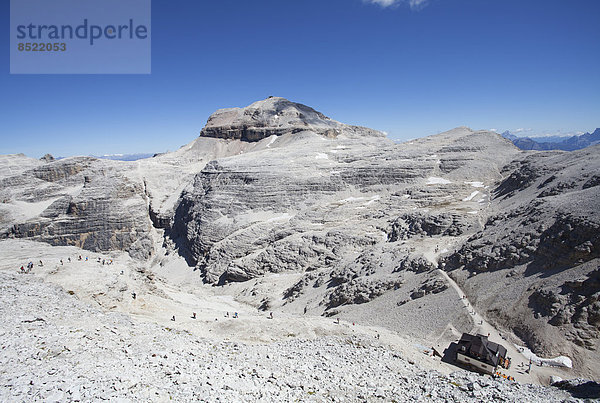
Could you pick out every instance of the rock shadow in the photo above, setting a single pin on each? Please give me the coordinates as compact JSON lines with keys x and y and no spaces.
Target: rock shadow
{"x":580,"y":389}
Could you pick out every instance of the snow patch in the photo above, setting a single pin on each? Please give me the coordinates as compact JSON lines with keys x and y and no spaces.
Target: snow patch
{"x":351,"y":199}
{"x":271,"y":141}
{"x":369,"y":200}
{"x":283,"y":217}
{"x":373,"y":200}
{"x":475,"y":184}
{"x":433,"y":180}
{"x":321,"y":156}
{"x":475,"y":193}
{"x":560,"y":361}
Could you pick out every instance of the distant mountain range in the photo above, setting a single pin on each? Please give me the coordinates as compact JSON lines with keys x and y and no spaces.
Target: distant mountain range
{"x":571,"y":143}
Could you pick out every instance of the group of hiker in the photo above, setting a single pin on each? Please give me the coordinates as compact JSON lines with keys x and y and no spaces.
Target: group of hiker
{"x":499,"y":374}
{"x":27,"y":270}
{"x":29,"y":267}
{"x":234,"y":316}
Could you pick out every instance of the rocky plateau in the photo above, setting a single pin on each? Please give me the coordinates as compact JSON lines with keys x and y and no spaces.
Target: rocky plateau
{"x":283,"y":209}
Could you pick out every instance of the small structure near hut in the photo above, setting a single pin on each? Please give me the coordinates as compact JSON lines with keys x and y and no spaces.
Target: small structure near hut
{"x":481,"y":354}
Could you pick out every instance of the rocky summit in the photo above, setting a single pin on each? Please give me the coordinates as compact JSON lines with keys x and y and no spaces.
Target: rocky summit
{"x":276,"y":207}
{"x":272,"y":116}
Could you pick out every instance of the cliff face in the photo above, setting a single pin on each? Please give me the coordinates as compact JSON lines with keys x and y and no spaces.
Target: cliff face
{"x":76,"y":201}
{"x":308,"y":205}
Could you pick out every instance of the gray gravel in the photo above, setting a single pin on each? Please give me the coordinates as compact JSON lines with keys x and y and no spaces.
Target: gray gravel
{"x":56,"y":348}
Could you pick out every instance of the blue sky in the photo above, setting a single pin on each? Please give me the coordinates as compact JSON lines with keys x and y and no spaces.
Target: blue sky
{"x":410,"y":68}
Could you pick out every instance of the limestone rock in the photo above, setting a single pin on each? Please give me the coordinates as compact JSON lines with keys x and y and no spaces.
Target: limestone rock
{"x":76,"y":201}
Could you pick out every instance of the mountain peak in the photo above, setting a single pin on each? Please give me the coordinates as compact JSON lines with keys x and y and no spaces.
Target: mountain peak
{"x":271,"y":116}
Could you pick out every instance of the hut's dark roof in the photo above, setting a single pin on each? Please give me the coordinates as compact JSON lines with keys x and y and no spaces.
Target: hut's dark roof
{"x":481,"y":349}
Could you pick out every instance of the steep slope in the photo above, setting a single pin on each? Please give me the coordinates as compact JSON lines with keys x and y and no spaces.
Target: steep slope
{"x":106,"y":205}
{"x":363,"y":223}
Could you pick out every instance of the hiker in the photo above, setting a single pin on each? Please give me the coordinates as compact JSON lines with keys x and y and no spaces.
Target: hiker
{"x":227,"y":315}
{"x":122,"y":272}
{"x":69,"y":259}
{"x":173,"y":318}
{"x":103,"y":261}
{"x":337,"y":321}
{"x":79,"y":258}
{"x":41,"y":264}
{"x":61,"y":262}
{"x":133,"y":294}
{"x":22,"y":270}
{"x":194,"y":315}
{"x":235,"y":315}
{"x":271,"y":315}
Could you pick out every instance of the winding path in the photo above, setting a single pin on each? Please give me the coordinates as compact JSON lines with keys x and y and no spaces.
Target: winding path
{"x":519,"y":363}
